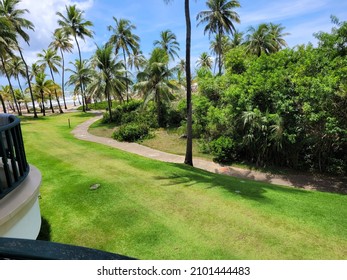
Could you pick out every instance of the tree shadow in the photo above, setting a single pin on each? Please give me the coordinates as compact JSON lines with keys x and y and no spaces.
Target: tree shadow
{"x":45,"y":231}
{"x":243,"y":187}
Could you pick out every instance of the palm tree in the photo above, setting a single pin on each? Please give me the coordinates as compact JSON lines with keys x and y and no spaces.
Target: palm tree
{"x":111,"y":73}
{"x":137,"y":60}
{"x":276,"y":32}
{"x":124,"y":39}
{"x":181,"y":69}
{"x":204,"y":61}
{"x":219,"y":20}
{"x":5,"y":69}
{"x":189,"y":148}
{"x":219,"y":47}
{"x":81,"y":75}
{"x":50,"y":59}
{"x":44,"y":87}
{"x":154,"y":81}
{"x":259,"y":40}
{"x":76,"y":26}
{"x":15,"y":16}
{"x":62,"y":42}
{"x":17,"y":69}
{"x":35,"y":69}
{"x":168,"y":42}
{"x":236,"y":39}
{"x":5,"y":95}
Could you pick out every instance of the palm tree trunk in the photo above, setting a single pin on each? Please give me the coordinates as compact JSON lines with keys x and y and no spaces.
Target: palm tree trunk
{"x":219,"y":53}
{"x":109,"y":103}
{"x":10,"y":84}
{"x":126,"y":76}
{"x":55,"y":91}
{"x":50,"y":103}
{"x":43,"y":104}
{"x":21,"y":89}
{"x":62,"y":78}
{"x":80,"y":78}
{"x":29,"y":82}
{"x":189,"y":149}
{"x":3,"y":104}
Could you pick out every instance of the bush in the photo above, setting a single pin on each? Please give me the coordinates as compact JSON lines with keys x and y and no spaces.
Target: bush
{"x":120,"y":111}
{"x":223,"y":149}
{"x":131,"y":132}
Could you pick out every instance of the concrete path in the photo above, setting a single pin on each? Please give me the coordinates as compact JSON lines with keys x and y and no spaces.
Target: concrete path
{"x":298,"y":180}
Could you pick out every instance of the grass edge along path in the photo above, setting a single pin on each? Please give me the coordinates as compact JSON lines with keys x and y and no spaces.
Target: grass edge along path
{"x":153,"y":210}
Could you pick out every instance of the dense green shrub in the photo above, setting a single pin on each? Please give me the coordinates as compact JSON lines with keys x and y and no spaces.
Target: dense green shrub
{"x":131,"y":132}
{"x":120,"y":111}
{"x":223,"y":149}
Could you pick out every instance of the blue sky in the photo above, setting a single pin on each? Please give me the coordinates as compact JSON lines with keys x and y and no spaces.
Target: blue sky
{"x":301,"y":18}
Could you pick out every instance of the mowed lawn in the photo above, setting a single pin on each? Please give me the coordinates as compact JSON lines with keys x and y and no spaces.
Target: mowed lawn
{"x":153,"y":210}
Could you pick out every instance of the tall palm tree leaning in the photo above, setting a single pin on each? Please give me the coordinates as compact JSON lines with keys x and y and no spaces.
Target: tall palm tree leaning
{"x":219,"y":20}
{"x":50,"y":59}
{"x":15,"y":16}
{"x":76,"y":26}
{"x":124,"y":39}
{"x":189,"y":148}
{"x":62,"y":42}
{"x":168,"y":42}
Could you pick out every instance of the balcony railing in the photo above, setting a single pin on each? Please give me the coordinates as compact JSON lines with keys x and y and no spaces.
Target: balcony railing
{"x":14,"y":167}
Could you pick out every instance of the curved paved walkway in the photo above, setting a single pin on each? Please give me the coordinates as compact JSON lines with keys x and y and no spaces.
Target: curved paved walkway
{"x":301,"y":181}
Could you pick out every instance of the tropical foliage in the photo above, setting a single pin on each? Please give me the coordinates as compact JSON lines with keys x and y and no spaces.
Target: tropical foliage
{"x":284,"y":109}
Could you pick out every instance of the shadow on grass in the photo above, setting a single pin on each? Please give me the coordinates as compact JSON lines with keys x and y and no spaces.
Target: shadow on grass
{"x":245,"y":188}
{"x":45,"y":231}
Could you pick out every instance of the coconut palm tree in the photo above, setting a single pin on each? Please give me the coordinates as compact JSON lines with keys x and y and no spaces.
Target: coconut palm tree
{"x":35,"y":69}
{"x":44,"y":87}
{"x":17,"y":69}
{"x":236,"y":39}
{"x":112,"y":73}
{"x":276,"y":32}
{"x":204,"y":61}
{"x":5,"y":58}
{"x":218,"y":47}
{"x":5,"y":95}
{"x":124,"y":39}
{"x":81,"y":75}
{"x":50,"y":59}
{"x":259,"y":40}
{"x":168,"y":42}
{"x":136,"y":60}
{"x":189,"y":148}
{"x":8,"y":9}
{"x":76,"y":26}
{"x":154,"y":81}
{"x":62,"y":42}
{"x":219,"y":20}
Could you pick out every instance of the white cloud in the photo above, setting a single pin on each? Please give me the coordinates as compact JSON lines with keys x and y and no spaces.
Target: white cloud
{"x":43,"y":15}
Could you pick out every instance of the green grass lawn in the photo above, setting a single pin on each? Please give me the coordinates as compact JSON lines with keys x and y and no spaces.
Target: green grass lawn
{"x":152,"y":210}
